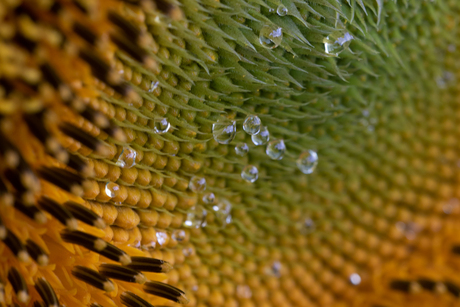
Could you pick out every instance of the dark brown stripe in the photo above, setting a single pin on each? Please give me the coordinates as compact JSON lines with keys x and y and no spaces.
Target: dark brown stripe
{"x":46,"y":292}
{"x":92,"y":278}
{"x":95,"y":244}
{"x":85,"y":215}
{"x":37,"y":253}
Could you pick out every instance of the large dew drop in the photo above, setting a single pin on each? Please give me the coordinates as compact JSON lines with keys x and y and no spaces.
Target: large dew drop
{"x":276,"y":149}
{"x":196,"y":217}
{"x":250,"y":173}
{"x":224,"y":131}
{"x":178,"y":235}
{"x":127,"y":158}
{"x":307,"y":161}
{"x":162,"y":126}
{"x":281,"y":10}
{"x":242,"y":149}
{"x":270,"y":36}
{"x":112,"y":189}
{"x":336,"y":42}
{"x":222,"y":210}
{"x":209,"y":198}
{"x":262,"y":137}
{"x":252,"y":124}
{"x":197,"y":184}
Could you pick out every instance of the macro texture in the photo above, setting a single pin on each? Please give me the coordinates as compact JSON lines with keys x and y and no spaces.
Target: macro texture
{"x":247,"y":153}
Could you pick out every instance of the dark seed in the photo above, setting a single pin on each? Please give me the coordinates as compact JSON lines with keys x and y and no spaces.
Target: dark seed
{"x":132,"y":300}
{"x":85,"y":215}
{"x":166,"y":291}
{"x":122,"y":273}
{"x":146,"y":264}
{"x":19,"y":285}
{"x":16,"y":246}
{"x":46,"y":292}
{"x":59,"y":212}
{"x":37,"y":253}
{"x":92,"y":278}
{"x":96,"y":244}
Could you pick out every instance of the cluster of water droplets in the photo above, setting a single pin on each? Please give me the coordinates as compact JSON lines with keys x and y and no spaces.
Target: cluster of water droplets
{"x":198,"y":214}
{"x":367,"y":121}
{"x":224,"y":132}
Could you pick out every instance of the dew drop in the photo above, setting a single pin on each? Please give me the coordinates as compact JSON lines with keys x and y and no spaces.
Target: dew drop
{"x":209,"y":198}
{"x":262,"y":137}
{"x":187,"y":251}
{"x":276,"y":149}
{"x":336,"y":42}
{"x":308,"y":226}
{"x":242,"y":149}
{"x":270,"y":36}
{"x":162,"y":125}
{"x":112,"y":189}
{"x":307,"y":161}
{"x":243,"y":291}
{"x":222,"y":210}
{"x":162,"y":238}
{"x":250,"y":173}
{"x":355,"y":279}
{"x":196,"y":217}
{"x":153,"y":86}
{"x":281,"y":10}
{"x":252,"y":124}
{"x":197,"y":184}
{"x":127,"y":158}
{"x":275,"y":269}
{"x":178,"y":235}
{"x":224,"y":131}
{"x":451,"y":205}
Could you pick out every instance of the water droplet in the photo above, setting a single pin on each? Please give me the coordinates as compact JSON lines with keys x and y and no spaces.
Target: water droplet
{"x":112,"y":189}
{"x":162,"y":125}
{"x":270,"y":36}
{"x":187,"y":251}
{"x":178,"y":235}
{"x":307,"y":161}
{"x":224,"y":131}
{"x":281,"y":10}
{"x":252,"y":124}
{"x":250,"y":173}
{"x":337,"y":41}
{"x":355,"y":279}
{"x":162,"y":237}
{"x":242,"y":149}
{"x":243,"y":291}
{"x":153,"y":86}
{"x":209,"y":198}
{"x":197,"y":184}
{"x":450,"y":205}
{"x":276,"y":149}
{"x":410,"y":229}
{"x":196,"y":217}
{"x":308,"y":226}
{"x":222,"y":210}
{"x":262,"y":137}
{"x":276,"y":269}
{"x":127,"y":158}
